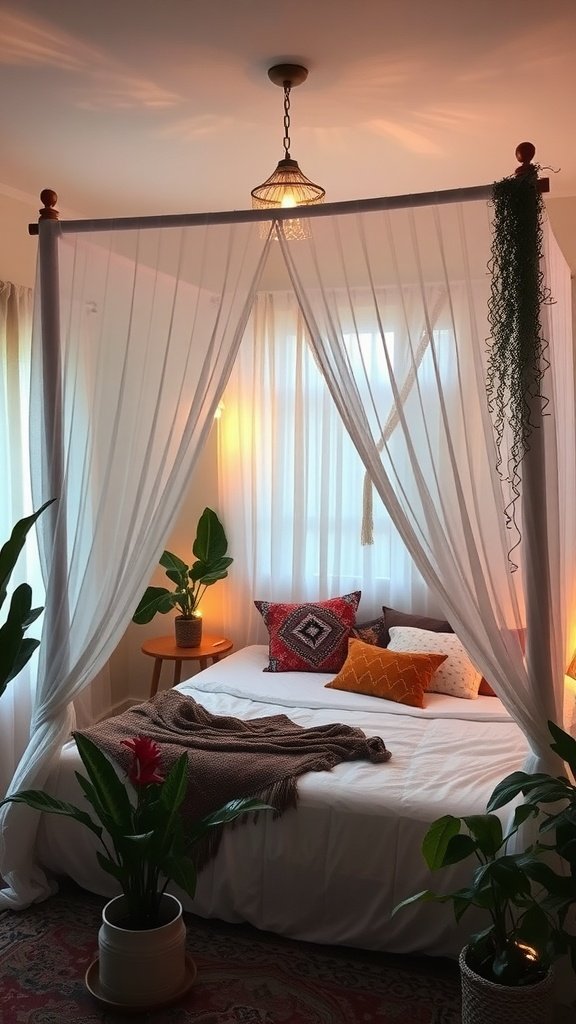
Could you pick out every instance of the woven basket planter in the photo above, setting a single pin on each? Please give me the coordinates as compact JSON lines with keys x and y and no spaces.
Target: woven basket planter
{"x":188,"y":631}
{"x":484,"y":1002}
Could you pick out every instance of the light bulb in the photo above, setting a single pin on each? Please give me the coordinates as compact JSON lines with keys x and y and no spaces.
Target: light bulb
{"x":288,"y":200}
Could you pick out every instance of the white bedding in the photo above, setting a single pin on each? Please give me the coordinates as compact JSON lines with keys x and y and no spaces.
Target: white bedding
{"x":332,"y":870}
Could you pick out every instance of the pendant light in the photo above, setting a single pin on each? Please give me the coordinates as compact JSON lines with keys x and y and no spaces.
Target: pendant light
{"x":287,"y":186}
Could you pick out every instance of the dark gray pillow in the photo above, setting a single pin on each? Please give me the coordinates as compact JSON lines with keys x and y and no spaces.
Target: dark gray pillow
{"x":372,"y":632}
{"x":392,"y":617}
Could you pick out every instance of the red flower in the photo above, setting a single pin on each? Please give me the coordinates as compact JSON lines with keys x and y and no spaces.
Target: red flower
{"x":144,"y":767}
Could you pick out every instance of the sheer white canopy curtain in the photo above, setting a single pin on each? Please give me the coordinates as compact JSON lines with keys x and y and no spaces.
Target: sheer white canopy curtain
{"x":436,"y":473}
{"x":141,"y":329}
{"x":388,"y":315}
{"x":142,"y":322}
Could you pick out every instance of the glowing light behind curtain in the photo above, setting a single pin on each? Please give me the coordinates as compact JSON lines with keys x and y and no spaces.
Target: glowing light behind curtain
{"x":15,"y":342}
{"x":290,"y":479}
{"x":150,"y":323}
{"x":447,"y":503}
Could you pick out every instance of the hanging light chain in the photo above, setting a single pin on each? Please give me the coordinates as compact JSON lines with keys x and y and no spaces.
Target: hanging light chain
{"x":287,"y":185}
{"x":286,"y":142}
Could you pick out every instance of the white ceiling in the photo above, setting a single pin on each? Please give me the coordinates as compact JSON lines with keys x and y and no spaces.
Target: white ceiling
{"x":160,"y":106}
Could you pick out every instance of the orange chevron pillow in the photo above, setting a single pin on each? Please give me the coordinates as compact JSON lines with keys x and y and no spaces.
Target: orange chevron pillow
{"x":378,"y":672}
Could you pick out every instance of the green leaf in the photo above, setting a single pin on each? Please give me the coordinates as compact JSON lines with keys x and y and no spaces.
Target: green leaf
{"x":143,"y":839}
{"x":487,"y":831}
{"x":540,"y":788}
{"x":564,"y":745}
{"x":233,"y":809}
{"x":475,"y":897}
{"x":425,"y":896}
{"x":437,"y":838}
{"x":10,"y":551}
{"x":93,"y":799}
{"x":155,"y":599}
{"x":109,"y":790}
{"x":522,"y":813}
{"x":12,"y":632}
{"x":111,"y":867}
{"x":534,"y":929}
{"x":458,"y":848}
{"x":551,"y":791}
{"x":179,"y":578}
{"x":173,"y":790}
{"x":173,"y":563}
{"x":40,"y":801}
{"x":505,"y":873}
{"x":202,"y":572}
{"x":508,"y":789}
{"x":210,"y":543}
{"x":182,"y":871}
{"x":12,"y":664}
{"x":33,"y":614}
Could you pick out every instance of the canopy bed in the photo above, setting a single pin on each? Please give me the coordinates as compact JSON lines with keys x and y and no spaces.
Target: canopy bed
{"x":138,"y":325}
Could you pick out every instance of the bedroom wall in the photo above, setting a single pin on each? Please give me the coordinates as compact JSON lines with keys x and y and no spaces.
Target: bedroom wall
{"x":17,"y":247}
{"x":130,"y":670}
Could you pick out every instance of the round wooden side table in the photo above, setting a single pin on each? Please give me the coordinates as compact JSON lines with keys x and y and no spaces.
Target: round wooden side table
{"x":163,"y":648}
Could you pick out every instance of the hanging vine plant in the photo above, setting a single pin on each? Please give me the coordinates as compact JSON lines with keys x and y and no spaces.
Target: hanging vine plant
{"x":517,"y":360}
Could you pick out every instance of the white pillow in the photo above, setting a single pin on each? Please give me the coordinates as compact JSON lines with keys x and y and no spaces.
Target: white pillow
{"x":456,"y":676}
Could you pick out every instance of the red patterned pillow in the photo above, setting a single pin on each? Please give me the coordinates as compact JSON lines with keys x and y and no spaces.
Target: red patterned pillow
{"x":309,"y":637}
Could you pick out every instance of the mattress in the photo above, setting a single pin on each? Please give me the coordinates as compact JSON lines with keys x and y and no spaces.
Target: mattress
{"x":332,"y":870}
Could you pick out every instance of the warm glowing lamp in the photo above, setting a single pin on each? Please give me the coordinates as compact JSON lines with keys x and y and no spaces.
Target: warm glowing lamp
{"x":570,"y":698}
{"x":287,"y":186}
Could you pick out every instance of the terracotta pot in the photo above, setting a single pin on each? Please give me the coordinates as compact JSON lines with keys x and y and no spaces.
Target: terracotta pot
{"x":484,"y":1002}
{"x":188,"y":631}
{"x":142,"y":968}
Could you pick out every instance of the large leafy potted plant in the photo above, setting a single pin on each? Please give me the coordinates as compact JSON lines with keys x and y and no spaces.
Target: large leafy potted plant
{"x":190,"y":582}
{"x":145,"y":843}
{"x":16,"y":649}
{"x":506,"y":967}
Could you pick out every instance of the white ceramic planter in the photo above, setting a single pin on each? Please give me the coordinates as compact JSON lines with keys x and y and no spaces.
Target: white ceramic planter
{"x":142,"y":968}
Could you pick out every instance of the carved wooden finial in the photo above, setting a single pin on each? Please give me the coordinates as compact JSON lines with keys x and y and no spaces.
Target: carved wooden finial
{"x":525,"y":153}
{"x":48,"y":212}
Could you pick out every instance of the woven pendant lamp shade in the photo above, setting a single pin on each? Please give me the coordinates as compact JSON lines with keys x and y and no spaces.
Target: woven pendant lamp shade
{"x":287,"y":186}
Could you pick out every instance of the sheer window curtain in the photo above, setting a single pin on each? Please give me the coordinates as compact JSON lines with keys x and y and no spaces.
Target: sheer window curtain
{"x":291,"y":482}
{"x":446,"y":501}
{"x":123,"y":397}
{"x":16,"y":304}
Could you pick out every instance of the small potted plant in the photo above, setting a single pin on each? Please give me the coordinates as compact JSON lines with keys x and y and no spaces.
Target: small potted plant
{"x":145,"y":842}
{"x":190,"y":582}
{"x":506,"y":968}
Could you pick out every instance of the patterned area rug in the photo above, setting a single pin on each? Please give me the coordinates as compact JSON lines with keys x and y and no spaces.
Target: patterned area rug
{"x":244,"y":976}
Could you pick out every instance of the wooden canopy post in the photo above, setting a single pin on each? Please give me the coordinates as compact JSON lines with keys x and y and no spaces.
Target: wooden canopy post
{"x":56,"y":632}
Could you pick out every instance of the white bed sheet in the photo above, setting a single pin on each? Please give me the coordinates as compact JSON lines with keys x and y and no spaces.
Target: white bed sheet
{"x":332,"y":870}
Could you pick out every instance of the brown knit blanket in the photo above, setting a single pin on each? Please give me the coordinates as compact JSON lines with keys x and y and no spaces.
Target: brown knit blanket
{"x":229,"y":757}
